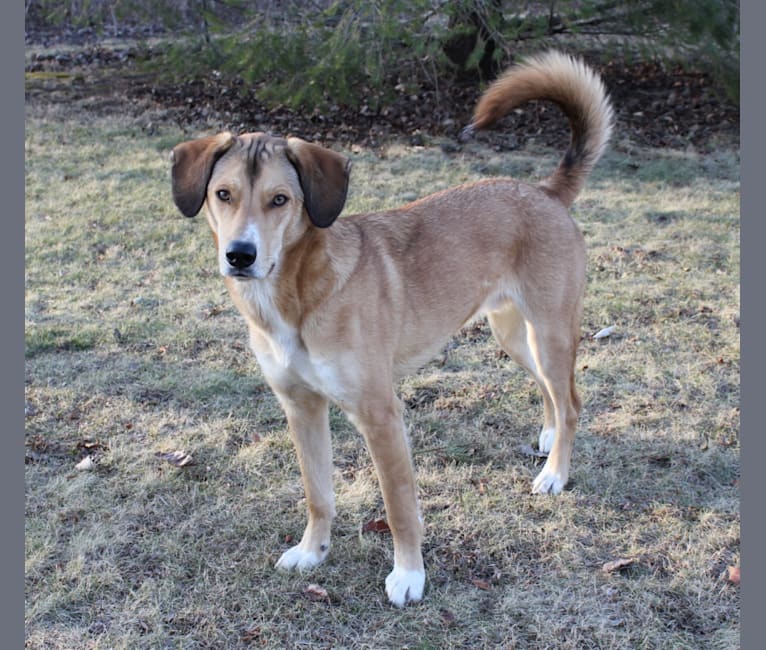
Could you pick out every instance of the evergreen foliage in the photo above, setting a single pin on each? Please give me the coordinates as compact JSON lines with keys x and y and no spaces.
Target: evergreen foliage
{"x":304,"y":53}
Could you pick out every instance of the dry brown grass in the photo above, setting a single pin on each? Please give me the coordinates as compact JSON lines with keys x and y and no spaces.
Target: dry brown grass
{"x":133,"y":349}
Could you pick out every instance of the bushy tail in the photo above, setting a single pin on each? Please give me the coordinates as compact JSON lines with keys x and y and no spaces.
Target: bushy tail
{"x":579,"y":92}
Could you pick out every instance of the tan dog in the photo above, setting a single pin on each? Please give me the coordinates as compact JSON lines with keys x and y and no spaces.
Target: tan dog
{"x":338,"y":310}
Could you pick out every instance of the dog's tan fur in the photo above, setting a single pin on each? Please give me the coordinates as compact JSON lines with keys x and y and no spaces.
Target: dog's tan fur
{"x":338,"y":310}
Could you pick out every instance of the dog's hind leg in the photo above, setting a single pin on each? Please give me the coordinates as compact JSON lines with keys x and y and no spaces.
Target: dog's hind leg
{"x":381,"y":423}
{"x":554,"y":347}
{"x":510,"y":330}
{"x":547,"y":349}
{"x":307,"y":418}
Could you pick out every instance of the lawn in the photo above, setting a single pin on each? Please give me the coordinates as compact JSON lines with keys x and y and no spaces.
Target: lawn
{"x":133,"y":350}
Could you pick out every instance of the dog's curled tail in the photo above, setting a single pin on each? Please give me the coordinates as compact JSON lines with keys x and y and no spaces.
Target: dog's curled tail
{"x":579,"y":92}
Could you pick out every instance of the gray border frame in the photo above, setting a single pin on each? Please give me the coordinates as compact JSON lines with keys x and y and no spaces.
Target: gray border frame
{"x":753,"y":236}
{"x":12,"y":325}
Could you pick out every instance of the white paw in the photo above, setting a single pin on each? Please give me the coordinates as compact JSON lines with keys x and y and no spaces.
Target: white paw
{"x":405,"y":585}
{"x":547,"y":436}
{"x":297,"y":558}
{"x":548,"y":482}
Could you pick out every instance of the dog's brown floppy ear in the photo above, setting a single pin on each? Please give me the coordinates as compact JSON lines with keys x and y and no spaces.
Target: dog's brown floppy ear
{"x":192,"y":165}
{"x":324,"y":179}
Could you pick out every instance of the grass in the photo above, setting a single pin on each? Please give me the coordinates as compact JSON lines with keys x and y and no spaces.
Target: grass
{"x":134,"y":349}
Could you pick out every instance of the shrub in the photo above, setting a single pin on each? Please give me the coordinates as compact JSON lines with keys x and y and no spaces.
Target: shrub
{"x":303,"y":53}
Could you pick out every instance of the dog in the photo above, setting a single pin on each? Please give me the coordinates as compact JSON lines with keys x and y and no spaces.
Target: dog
{"x":339,"y":309}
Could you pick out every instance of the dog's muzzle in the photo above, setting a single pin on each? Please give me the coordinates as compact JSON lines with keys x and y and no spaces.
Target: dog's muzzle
{"x":240,"y":255}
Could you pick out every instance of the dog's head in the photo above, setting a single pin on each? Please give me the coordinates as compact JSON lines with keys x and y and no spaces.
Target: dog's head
{"x":262,"y":194}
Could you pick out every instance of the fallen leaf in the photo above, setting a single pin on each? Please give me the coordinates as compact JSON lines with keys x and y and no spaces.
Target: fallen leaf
{"x":661,"y":460}
{"x":212,"y":311}
{"x":176,"y":458}
{"x":480,"y":484}
{"x":38,"y":443}
{"x":480,"y":584}
{"x":376,"y":526}
{"x":607,"y":331}
{"x":447,"y":617}
{"x":733,"y":575}
{"x":251,"y":634}
{"x":617,"y":565}
{"x":315,"y":592}
{"x":90,"y":445}
{"x":86,"y":464}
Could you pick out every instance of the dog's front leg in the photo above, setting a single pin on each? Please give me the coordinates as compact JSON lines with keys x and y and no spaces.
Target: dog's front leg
{"x":383,"y":428}
{"x":307,"y":418}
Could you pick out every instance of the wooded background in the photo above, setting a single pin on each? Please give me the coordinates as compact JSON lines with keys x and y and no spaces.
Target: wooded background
{"x":310,"y":50}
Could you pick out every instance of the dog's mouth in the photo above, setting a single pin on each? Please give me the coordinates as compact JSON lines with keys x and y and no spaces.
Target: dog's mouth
{"x":240,"y":275}
{"x":249,"y":273}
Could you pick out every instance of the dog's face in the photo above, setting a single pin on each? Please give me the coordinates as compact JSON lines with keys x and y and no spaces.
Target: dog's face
{"x":254,"y":206}
{"x":262,"y":194}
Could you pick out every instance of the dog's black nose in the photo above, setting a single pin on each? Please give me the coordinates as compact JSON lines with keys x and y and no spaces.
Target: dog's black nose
{"x":240,"y":254}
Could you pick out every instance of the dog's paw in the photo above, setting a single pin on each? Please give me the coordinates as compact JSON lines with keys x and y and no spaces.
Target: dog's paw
{"x":548,"y":482}
{"x":545,"y":442}
{"x":405,"y":586}
{"x":297,"y":558}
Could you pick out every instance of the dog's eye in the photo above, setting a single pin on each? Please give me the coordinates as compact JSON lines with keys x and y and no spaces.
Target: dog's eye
{"x":224,"y":195}
{"x":279,"y":200}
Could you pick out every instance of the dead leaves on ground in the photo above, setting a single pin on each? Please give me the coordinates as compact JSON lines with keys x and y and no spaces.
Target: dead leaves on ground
{"x":253,"y":634}
{"x":89,"y":462}
{"x":621,"y":565}
{"x":316,"y":593}
{"x":481,"y":484}
{"x":177,"y":458}
{"x":379,"y":526}
{"x":615,"y":566}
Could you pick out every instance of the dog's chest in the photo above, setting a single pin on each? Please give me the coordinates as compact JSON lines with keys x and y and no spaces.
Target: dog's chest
{"x":280,"y":351}
{"x":289,"y":362}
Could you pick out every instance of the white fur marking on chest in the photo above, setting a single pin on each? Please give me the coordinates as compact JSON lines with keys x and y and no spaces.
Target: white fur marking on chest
{"x":325,"y":377}
{"x":283,"y":337}
{"x":286,"y":352}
